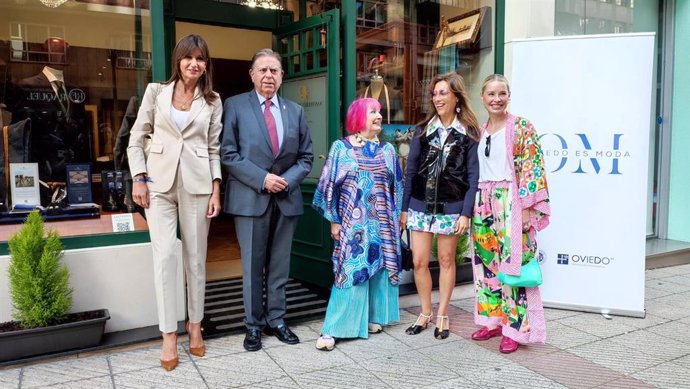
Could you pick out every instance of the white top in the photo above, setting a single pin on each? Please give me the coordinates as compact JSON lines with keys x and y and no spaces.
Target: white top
{"x":494,"y":167}
{"x":179,"y":117}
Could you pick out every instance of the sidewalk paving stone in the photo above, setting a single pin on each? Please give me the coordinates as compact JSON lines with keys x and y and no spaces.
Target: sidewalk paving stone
{"x":653,"y":344}
{"x":184,"y":376}
{"x":565,"y":337}
{"x":666,"y":375}
{"x":571,"y":370}
{"x":667,"y":311}
{"x":105,"y":382}
{"x":64,"y":371}
{"x":281,"y":383}
{"x":674,"y":284}
{"x":626,"y":383}
{"x":409,"y":369}
{"x":510,"y":375}
{"x":597,"y":325}
{"x":462,"y":356}
{"x":679,"y":300}
{"x":683,"y":361}
{"x":238,"y":369}
{"x":555,"y":314}
{"x":377,"y":346}
{"x":616,"y":357}
{"x":304,"y":358}
{"x":345,"y":377}
{"x":453,"y":383}
{"x":641,"y":323}
{"x":141,"y":359}
{"x":667,"y":271}
{"x":652,"y":293}
{"x":9,"y":378}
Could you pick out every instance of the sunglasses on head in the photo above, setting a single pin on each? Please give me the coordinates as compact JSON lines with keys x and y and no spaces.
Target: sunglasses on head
{"x":487,"y":150}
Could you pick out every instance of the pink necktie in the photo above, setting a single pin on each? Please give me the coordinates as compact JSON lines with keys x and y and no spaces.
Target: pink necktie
{"x":271,"y":126}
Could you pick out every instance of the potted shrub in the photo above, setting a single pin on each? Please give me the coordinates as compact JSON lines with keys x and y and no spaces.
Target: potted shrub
{"x":41,"y":298}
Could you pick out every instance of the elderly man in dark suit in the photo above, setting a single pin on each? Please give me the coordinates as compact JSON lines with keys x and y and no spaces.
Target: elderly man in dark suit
{"x":267,"y":149}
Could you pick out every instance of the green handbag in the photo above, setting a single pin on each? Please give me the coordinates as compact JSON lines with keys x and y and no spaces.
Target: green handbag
{"x":530,"y":275}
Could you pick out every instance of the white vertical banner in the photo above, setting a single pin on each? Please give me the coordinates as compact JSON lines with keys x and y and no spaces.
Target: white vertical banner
{"x":589,"y":98}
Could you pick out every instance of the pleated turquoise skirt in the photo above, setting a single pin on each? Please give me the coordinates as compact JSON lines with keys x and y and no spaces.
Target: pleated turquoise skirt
{"x":350,"y":310}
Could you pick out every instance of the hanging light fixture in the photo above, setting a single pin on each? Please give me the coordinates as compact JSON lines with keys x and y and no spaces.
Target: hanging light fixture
{"x":268,"y":4}
{"x":53,"y":3}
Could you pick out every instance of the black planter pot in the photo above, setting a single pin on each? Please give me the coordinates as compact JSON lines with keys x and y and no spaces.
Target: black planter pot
{"x":46,"y":340}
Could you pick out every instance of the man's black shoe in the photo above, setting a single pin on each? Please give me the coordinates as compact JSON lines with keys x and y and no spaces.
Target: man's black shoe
{"x":283,"y":333}
{"x":252,"y":340}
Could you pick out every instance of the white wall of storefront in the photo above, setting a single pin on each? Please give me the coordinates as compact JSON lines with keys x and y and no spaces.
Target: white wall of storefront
{"x":118,"y":278}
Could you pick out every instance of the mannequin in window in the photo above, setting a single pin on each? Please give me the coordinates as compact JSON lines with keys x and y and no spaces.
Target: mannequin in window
{"x":60,"y":126}
{"x":376,"y":86}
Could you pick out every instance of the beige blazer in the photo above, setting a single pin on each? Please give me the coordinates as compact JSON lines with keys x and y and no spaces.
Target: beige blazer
{"x":195,"y":147}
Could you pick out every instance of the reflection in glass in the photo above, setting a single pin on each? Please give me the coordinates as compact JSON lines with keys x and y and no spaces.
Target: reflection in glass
{"x":71,"y":78}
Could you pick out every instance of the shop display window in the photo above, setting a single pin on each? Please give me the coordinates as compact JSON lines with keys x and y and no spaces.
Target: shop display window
{"x":71,"y":77}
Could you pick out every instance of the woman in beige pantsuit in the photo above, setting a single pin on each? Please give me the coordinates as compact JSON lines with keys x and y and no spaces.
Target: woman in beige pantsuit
{"x":179,"y":180}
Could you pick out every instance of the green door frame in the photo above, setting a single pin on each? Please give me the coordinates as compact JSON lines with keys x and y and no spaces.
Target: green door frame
{"x":304,"y":55}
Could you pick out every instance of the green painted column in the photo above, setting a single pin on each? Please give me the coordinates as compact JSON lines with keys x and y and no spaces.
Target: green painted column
{"x":159,"y":61}
{"x":348,"y":17}
{"x":500,"y":36}
{"x":679,"y":189}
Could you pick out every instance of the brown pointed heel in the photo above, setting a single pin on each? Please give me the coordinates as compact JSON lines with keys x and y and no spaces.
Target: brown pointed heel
{"x":170,"y":364}
{"x":196,"y":351}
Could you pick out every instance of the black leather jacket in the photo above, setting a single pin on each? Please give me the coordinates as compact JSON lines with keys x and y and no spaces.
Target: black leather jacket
{"x":441,"y":179}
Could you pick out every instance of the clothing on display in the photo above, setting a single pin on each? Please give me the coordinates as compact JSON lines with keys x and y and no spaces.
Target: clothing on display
{"x":60,"y":127}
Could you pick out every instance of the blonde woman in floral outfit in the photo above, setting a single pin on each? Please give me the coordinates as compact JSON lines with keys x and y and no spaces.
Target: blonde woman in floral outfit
{"x":512,"y":205}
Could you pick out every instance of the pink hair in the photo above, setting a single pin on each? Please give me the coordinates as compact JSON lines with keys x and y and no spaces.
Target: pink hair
{"x":356,"y":120}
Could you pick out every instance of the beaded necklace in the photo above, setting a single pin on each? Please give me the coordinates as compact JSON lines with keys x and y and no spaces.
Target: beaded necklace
{"x":369,"y":146}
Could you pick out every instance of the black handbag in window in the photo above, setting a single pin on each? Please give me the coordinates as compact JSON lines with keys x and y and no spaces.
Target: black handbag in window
{"x":406,"y":252}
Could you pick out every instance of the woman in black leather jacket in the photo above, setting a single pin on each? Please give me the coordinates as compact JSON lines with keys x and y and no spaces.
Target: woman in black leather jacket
{"x":440,"y":186}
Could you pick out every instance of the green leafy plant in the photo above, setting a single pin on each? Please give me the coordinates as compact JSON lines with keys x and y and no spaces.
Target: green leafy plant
{"x":461,"y":251}
{"x":39,"y":282}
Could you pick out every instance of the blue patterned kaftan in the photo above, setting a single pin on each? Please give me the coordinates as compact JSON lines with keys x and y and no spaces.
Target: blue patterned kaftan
{"x":364,"y":195}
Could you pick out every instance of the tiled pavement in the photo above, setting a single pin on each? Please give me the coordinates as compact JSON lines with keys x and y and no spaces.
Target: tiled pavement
{"x":583,"y":351}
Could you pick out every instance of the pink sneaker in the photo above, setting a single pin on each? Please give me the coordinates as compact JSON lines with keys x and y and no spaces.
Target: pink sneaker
{"x":508,"y":345}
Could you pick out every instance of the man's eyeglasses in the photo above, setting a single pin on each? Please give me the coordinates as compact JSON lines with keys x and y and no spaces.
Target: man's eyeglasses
{"x":273,"y":71}
{"x":487,"y":150}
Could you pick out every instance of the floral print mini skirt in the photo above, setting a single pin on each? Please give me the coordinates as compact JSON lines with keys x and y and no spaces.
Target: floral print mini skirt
{"x":436,"y":224}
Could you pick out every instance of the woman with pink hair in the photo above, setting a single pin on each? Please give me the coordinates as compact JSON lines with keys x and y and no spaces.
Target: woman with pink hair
{"x":360,"y":193}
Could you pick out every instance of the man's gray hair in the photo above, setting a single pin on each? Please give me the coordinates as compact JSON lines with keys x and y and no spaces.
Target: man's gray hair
{"x":267,"y":52}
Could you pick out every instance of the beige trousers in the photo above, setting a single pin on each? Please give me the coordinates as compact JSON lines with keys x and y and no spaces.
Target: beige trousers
{"x":163,"y":214}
